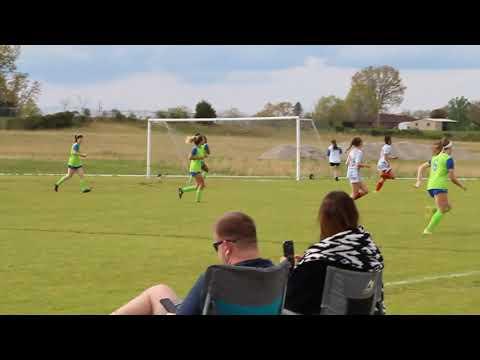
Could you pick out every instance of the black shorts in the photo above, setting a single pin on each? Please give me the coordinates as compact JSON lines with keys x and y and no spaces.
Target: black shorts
{"x":335,"y":164}
{"x":74,"y":167}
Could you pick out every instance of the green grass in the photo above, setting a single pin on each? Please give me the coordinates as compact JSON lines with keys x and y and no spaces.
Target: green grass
{"x":95,"y":166}
{"x":73,"y":253}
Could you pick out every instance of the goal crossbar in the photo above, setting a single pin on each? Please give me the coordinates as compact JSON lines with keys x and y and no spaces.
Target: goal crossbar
{"x":191,"y":120}
{"x":225,"y":119}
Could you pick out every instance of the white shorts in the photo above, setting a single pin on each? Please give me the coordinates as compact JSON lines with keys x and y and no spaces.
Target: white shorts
{"x":353,"y":176}
{"x":383,"y":166}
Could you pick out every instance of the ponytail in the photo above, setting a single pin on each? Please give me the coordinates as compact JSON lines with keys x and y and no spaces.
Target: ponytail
{"x":196,"y":139}
{"x":189,"y":139}
{"x":334,"y":143}
{"x":440,"y":145}
{"x":356,"y":141}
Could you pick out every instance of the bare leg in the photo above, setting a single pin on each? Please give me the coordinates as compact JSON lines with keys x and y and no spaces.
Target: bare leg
{"x":359,"y":190}
{"x":335,"y":172}
{"x":66,"y":177}
{"x":355,"y":190}
{"x":148,"y":302}
{"x":441,"y":200}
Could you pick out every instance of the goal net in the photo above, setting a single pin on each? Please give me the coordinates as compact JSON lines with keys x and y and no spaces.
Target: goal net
{"x":277,"y":147}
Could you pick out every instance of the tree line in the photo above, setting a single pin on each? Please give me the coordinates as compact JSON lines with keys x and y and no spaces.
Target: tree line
{"x":373,"y":90}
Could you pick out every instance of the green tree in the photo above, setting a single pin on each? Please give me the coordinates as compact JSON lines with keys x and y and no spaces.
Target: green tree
{"x":458,"y":109}
{"x":204,"y":110}
{"x":298,"y":109}
{"x":8,"y":57}
{"x":232,"y":113}
{"x":179,"y":112}
{"x":386,"y":85}
{"x":283,"y":108}
{"x":361,"y":103}
{"x":16,"y":89}
{"x":330,"y":111}
{"x":474,"y":113}
{"x":86,"y":112}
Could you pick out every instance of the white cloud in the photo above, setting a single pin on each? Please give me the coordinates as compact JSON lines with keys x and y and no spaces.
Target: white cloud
{"x":249,"y":91}
{"x":429,"y":89}
{"x":56,"y":52}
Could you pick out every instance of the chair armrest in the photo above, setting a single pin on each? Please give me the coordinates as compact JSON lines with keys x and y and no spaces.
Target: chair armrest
{"x":288,"y":312}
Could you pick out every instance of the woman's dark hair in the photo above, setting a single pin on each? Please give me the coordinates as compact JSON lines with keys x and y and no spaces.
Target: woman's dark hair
{"x":356,"y":141}
{"x":195,"y":139}
{"x":336,"y":214}
{"x":79,"y":136}
{"x":439,"y":144}
{"x":334,"y":143}
{"x":388,"y":140}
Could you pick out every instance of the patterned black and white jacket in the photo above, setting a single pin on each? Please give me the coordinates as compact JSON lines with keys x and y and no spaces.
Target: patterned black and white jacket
{"x":351,"y":250}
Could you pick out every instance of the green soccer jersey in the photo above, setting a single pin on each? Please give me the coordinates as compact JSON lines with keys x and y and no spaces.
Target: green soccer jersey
{"x":439,"y":166}
{"x":74,"y":159}
{"x":196,"y":165}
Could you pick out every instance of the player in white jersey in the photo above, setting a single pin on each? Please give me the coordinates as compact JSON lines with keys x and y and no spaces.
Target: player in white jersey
{"x":334,"y":153}
{"x":383,"y":164}
{"x":354,"y":164}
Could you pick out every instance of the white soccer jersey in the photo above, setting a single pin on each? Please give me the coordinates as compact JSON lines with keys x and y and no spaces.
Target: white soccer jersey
{"x":355,"y":157}
{"x":383,"y":163}
{"x":334,"y":155}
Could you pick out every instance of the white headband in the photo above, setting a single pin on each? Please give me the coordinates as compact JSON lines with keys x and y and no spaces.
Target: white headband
{"x":448,"y":146}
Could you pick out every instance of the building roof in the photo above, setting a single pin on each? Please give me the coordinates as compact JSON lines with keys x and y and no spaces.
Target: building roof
{"x":395,"y":118}
{"x":438,"y":120}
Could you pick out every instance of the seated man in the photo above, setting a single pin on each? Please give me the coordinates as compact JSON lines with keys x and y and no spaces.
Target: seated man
{"x":235,"y":243}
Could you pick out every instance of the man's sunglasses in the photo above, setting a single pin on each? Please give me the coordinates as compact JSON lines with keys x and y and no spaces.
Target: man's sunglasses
{"x":218,"y":243}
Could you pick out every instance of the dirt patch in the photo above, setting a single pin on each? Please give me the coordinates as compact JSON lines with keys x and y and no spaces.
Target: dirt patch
{"x":405,"y":150}
{"x":289,"y":152}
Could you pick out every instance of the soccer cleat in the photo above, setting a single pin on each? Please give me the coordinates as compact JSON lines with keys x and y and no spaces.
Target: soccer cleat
{"x":56,"y":188}
{"x":427,"y":232}
{"x":336,"y":178}
{"x":180,"y":193}
{"x":86,"y":190}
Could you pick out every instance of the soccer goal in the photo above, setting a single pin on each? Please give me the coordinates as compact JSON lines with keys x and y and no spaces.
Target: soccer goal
{"x":255,"y":147}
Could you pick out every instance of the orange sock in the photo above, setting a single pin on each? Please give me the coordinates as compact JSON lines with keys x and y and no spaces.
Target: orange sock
{"x":380,"y":184}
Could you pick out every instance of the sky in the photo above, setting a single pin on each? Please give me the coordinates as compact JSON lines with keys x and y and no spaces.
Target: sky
{"x":151,"y":78}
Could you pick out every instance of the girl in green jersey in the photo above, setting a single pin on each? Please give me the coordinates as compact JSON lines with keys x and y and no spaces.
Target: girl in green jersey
{"x":204,"y":146}
{"x":441,"y":169}
{"x":196,"y":158}
{"x":75,"y":166}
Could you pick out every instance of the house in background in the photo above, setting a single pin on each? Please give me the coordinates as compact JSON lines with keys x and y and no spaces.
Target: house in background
{"x":425,"y":124}
{"x":387,"y":121}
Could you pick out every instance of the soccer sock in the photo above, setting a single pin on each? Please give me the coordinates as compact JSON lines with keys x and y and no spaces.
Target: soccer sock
{"x":198,"y":195}
{"x":62,"y":180}
{"x":436,"y":218}
{"x":189,"y":188}
{"x":83,"y":184}
{"x":380,"y":184}
{"x":358,"y":196}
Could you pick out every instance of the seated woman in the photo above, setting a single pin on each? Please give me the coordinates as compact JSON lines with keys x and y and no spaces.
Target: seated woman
{"x":343,"y":244}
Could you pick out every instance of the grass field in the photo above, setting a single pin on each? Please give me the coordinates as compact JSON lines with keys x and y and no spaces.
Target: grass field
{"x":121,"y":149}
{"x":73,"y":253}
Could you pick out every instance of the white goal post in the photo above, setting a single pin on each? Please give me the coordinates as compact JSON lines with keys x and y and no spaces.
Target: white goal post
{"x":192,"y":120}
